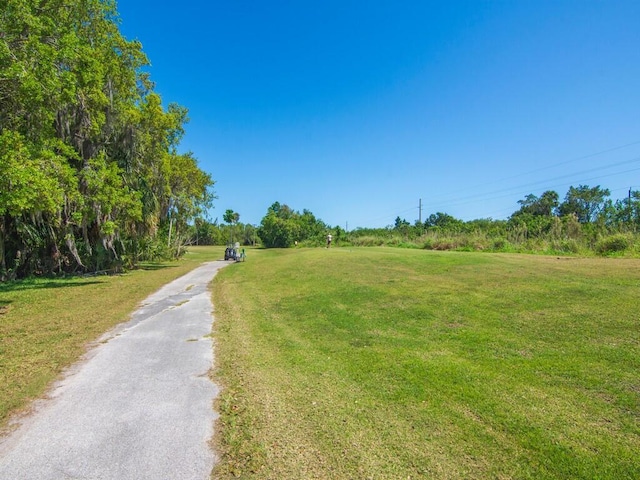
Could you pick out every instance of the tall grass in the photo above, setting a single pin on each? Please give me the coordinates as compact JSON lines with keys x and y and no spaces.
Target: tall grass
{"x":389,"y":363}
{"x":571,"y":239}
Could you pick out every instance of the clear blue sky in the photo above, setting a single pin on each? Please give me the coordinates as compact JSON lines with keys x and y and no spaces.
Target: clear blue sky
{"x":355,"y":110}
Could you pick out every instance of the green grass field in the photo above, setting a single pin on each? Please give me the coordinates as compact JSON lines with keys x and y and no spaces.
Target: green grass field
{"x":388,"y":363}
{"x":46,"y":324}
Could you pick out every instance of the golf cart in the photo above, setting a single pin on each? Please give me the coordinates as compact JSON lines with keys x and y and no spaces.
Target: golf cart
{"x":234,"y":253}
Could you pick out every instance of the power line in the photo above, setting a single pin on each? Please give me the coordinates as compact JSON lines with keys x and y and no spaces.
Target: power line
{"x":524,"y":192}
{"x":514,"y":190}
{"x":391,"y":215}
{"x":609,"y":150}
{"x":470,"y":199}
{"x":518,"y":190}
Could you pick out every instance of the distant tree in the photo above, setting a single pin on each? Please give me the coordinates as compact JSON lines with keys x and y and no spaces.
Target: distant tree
{"x":231,"y":218}
{"x":277,"y":232}
{"x":282,"y":226}
{"x":633,"y":207}
{"x":546,"y":205}
{"x":339,"y":234}
{"x":443,"y":220}
{"x":584,"y":202}
{"x":400,"y":223}
{"x":535,"y":215}
{"x":228,"y":216}
{"x":248,"y":234}
{"x":310,"y":226}
{"x":623,"y":213}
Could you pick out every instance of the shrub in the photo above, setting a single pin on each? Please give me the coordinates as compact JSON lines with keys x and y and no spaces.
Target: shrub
{"x":472,"y":243}
{"x":445,"y":244}
{"x":566,"y":246}
{"x":502,"y":244}
{"x":613,"y":244}
{"x":427,"y":243}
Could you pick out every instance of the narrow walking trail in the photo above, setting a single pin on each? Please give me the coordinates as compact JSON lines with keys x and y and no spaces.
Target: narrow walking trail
{"x":140,"y":405}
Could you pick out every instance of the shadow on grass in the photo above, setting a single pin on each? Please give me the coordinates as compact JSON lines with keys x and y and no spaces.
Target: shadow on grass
{"x":153,"y":266}
{"x":36,"y":284}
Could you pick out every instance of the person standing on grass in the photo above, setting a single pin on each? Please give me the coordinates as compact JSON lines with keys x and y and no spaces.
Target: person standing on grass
{"x":329,"y":237}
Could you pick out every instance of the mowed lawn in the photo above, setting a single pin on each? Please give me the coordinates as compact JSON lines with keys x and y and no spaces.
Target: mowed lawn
{"x":394,"y":364}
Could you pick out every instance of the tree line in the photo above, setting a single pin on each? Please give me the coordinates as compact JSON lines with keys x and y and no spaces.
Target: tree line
{"x":90,"y":173}
{"x":586,"y":221}
{"x":281,"y":227}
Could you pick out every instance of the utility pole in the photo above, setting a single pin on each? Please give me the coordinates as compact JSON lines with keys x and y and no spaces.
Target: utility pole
{"x":420,"y":211}
{"x":633,"y":220}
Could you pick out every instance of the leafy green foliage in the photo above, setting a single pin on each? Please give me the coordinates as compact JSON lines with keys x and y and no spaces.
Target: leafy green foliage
{"x":282,"y":227}
{"x":584,"y":202}
{"x":89,"y":166}
{"x":31,"y":180}
{"x":614,"y":244}
{"x":545,"y":206}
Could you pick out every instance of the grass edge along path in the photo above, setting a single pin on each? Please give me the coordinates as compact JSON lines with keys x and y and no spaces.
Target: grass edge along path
{"x":46,"y":324}
{"x":384,"y":363}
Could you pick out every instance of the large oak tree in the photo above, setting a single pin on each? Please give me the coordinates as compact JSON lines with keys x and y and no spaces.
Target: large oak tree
{"x":90,"y":173}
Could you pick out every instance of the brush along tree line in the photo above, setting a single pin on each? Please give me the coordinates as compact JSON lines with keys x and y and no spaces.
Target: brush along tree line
{"x":90,"y":174}
{"x":586,"y":221}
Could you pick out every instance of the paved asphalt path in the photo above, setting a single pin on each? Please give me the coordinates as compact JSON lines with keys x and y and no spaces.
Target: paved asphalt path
{"x":140,"y":405}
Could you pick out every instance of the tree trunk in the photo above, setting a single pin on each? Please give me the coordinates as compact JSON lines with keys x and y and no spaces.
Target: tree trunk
{"x":3,"y":263}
